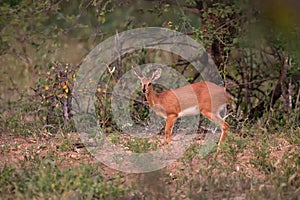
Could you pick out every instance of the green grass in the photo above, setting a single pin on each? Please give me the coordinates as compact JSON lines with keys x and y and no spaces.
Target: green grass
{"x":50,"y":181}
{"x":136,"y":145}
{"x":259,"y":167}
{"x":254,"y":163}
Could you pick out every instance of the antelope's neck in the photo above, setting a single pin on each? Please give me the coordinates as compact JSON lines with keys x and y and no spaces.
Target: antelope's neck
{"x":151,"y":98}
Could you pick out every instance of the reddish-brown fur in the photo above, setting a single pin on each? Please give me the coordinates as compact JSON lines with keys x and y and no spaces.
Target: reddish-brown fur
{"x":204,"y":96}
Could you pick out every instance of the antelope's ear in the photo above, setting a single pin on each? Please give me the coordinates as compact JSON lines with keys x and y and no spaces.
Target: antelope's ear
{"x":137,"y":74}
{"x":156,"y":74}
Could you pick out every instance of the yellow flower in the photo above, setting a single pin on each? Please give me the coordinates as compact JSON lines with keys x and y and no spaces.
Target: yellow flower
{"x":64,"y":86}
{"x":67,"y":90}
{"x":57,"y":105}
{"x":99,"y":89}
{"x":170,"y":23}
{"x":48,"y":72}
{"x":46,"y":87}
{"x":44,"y":118}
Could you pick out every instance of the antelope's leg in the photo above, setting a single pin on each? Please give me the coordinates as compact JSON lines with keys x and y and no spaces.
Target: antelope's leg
{"x":165,"y":140}
{"x":220,"y":122}
{"x":224,"y":126}
{"x":169,"y":126}
{"x":224,"y":134}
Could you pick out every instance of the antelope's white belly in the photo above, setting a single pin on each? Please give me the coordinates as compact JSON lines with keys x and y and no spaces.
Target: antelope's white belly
{"x":159,"y":111}
{"x":189,"y":111}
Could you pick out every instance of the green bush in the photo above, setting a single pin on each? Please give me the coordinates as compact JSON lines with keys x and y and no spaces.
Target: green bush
{"x":55,"y":91}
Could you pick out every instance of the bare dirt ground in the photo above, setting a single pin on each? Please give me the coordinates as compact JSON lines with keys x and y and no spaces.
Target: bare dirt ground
{"x":68,"y":152}
{"x":72,"y":153}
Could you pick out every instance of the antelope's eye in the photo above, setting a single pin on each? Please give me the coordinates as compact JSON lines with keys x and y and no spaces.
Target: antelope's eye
{"x":149,"y":84}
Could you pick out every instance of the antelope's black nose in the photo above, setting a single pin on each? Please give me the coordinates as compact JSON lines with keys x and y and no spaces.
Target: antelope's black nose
{"x":144,"y":89}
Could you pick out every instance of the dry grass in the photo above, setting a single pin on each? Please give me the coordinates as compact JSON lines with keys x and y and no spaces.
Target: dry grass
{"x":255,"y":167}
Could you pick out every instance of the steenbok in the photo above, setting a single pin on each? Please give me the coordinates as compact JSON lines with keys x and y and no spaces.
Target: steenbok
{"x":201,"y":97}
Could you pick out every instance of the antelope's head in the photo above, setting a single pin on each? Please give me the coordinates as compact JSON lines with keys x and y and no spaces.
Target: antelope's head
{"x":147,"y":82}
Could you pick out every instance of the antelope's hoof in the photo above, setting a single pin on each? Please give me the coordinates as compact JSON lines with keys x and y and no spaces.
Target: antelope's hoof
{"x":165,"y":143}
